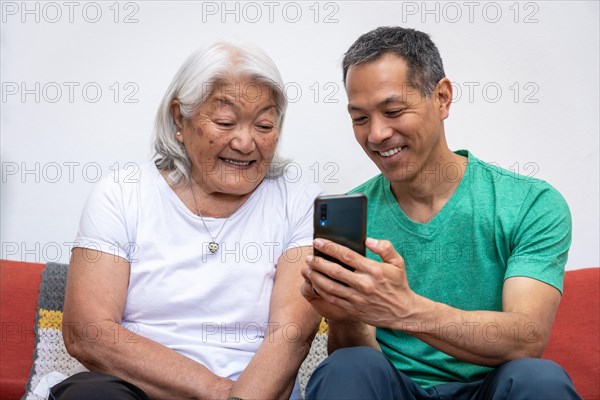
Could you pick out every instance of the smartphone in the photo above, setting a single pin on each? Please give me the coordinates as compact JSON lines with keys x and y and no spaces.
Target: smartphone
{"x":343,"y":220}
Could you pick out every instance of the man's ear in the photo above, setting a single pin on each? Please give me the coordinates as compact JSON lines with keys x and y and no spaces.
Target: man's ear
{"x":443,"y":97}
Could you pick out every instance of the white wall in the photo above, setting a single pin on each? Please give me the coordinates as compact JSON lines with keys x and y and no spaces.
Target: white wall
{"x":58,"y":136}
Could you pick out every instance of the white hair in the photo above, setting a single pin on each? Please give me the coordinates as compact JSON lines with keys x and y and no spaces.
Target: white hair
{"x":195,"y":82}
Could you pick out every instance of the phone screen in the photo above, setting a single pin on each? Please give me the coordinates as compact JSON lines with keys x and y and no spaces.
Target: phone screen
{"x":343,"y":220}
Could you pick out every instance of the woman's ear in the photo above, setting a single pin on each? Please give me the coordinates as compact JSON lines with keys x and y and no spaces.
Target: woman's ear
{"x":177,"y":119}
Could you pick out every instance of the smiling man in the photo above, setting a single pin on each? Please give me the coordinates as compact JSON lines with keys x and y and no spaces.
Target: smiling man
{"x":458,"y":292}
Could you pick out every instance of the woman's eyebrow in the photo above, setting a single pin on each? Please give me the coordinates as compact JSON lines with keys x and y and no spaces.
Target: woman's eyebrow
{"x":223,"y":101}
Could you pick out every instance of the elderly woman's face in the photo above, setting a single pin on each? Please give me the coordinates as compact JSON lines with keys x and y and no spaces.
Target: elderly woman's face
{"x":231,"y":139}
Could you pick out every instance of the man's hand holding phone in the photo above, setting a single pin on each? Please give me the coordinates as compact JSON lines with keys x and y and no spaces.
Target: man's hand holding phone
{"x":341,"y":283}
{"x":375,"y":293}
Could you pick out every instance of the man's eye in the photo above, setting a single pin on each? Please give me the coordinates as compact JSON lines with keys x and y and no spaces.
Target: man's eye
{"x":359,"y":120}
{"x":224,"y":124}
{"x":393,"y":113}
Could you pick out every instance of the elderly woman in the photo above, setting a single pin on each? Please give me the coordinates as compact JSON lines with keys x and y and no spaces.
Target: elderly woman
{"x":191,"y":268}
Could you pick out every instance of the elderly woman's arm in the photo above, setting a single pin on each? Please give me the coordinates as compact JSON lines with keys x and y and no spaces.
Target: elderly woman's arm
{"x":293,"y":323}
{"x":95,"y":296}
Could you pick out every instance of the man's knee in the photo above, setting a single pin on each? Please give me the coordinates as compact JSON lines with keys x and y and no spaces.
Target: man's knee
{"x":355,"y":360}
{"x":534,"y":371}
{"x":95,"y":385}
{"x":354,"y":373}
{"x":533,"y":377}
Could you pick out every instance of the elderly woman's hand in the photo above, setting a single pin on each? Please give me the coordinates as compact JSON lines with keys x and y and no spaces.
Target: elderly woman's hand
{"x":223,"y":388}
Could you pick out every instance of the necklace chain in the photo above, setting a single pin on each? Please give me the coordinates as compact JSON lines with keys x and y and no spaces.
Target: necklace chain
{"x":212,"y":246}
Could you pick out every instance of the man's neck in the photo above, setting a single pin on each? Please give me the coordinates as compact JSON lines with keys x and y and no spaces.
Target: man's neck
{"x":427,"y":193}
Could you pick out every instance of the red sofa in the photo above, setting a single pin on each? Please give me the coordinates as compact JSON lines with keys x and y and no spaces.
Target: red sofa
{"x":574,"y":343}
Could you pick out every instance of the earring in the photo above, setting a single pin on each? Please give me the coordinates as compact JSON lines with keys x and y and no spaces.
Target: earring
{"x":178,"y":133}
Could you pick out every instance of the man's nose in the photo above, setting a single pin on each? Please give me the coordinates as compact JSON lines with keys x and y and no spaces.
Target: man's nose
{"x":379,"y":131}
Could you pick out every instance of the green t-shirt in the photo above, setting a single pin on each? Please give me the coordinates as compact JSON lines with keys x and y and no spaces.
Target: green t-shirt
{"x":496,"y":225}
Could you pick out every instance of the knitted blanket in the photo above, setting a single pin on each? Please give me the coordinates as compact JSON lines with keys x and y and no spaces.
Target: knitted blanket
{"x":50,"y":353}
{"x":318,"y":352}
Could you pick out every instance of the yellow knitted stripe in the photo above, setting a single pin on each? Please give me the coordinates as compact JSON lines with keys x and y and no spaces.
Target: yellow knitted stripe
{"x":323,"y":328}
{"x":50,"y":319}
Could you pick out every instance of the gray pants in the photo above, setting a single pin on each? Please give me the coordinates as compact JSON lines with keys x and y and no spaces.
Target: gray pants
{"x":363,"y":373}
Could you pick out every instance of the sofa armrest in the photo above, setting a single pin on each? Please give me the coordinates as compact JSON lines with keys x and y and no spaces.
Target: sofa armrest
{"x":575,"y":337}
{"x":20,"y":285}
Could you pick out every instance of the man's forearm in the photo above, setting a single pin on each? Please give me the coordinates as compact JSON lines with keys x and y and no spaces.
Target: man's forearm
{"x":350,"y":334}
{"x":487,"y":338}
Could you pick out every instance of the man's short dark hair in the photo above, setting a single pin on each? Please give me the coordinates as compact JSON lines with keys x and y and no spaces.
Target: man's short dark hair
{"x":425,"y":68}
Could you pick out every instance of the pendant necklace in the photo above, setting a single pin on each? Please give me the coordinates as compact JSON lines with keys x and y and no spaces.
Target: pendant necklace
{"x":213,"y":246}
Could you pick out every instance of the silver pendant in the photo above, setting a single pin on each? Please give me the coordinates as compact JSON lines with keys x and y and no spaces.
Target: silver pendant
{"x":213,"y":247}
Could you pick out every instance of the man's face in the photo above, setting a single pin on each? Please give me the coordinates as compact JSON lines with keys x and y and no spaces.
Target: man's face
{"x":396,"y":126}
